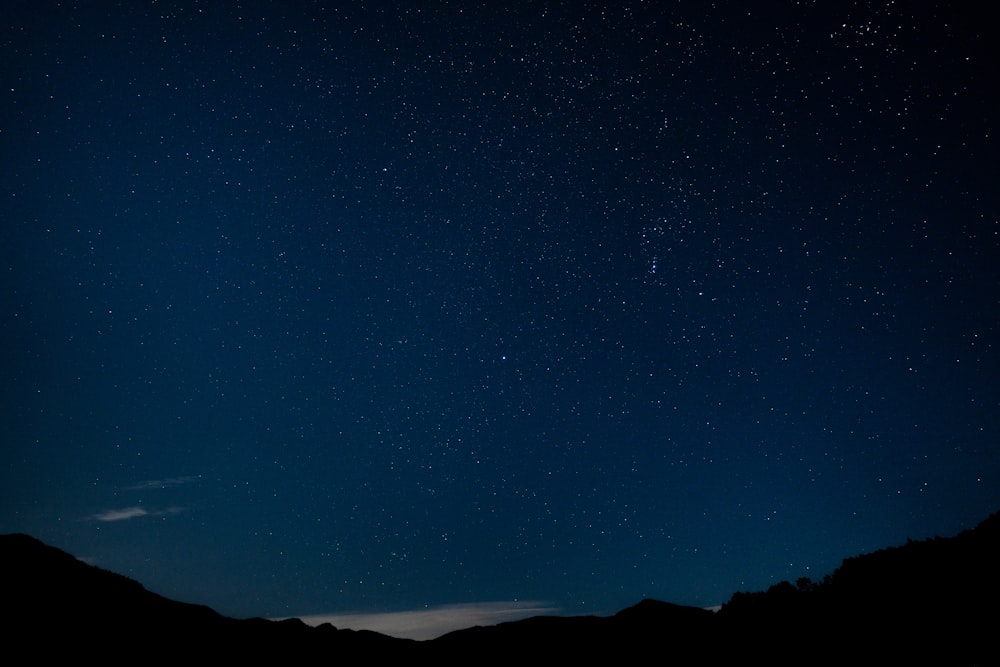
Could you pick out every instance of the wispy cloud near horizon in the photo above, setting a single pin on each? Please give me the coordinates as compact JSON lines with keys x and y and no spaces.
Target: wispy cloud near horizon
{"x":126,"y":513}
{"x":119,"y":514}
{"x":433,"y":622}
{"x":136,"y":511}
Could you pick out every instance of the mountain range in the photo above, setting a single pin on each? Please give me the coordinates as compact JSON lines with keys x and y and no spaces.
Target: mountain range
{"x":925,"y":602}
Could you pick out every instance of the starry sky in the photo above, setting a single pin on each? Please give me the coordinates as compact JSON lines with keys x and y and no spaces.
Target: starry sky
{"x":483,"y":308}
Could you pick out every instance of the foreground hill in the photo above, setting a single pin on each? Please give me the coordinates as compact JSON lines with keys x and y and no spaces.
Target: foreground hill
{"x":926,"y":602}
{"x":55,"y":606}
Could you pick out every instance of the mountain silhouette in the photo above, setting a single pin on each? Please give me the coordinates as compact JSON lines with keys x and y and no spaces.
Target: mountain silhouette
{"x":926,"y":602}
{"x":56,"y":606}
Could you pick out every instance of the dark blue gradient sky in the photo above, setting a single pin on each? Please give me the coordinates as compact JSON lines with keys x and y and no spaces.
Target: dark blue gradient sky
{"x":310,"y":309}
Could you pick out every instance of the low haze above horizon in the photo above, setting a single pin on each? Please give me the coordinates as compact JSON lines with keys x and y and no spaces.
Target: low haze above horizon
{"x":481,"y":310}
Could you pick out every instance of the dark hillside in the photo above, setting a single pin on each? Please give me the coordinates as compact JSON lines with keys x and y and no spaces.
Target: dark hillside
{"x":925,"y":602}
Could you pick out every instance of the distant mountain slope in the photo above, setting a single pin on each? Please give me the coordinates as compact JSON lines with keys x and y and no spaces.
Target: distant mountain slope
{"x":669,"y":630}
{"x":928,"y":601}
{"x":57,"y":606}
{"x":925,"y":602}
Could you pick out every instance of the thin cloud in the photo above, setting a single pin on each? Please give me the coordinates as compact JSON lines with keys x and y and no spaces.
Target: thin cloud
{"x":433,"y":622}
{"x":126,"y":513}
{"x":163,"y":483}
{"x":120,"y":515}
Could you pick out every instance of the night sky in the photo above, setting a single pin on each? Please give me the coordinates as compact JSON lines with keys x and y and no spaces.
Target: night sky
{"x":483,"y":309}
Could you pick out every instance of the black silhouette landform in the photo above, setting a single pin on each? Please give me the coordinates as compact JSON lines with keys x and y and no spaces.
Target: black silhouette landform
{"x":926,"y":602}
